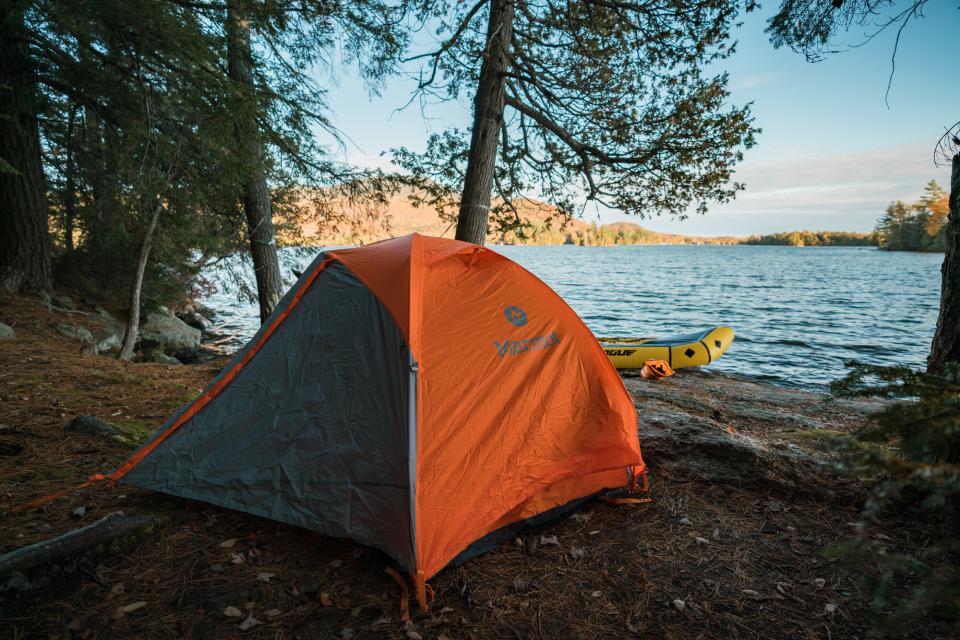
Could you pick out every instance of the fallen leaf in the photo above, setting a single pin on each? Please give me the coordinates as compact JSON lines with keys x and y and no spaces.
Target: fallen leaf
{"x":700,"y":540}
{"x":596,"y":594}
{"x":117,"y":589}
{"x":249,"y":623}
{"x":336,"y":564}
{"x":346,"y":633}
{"x":594,"y":532}
{"x":232,"y":612}
{"x":679,"y":605}
{"x":81,"y":511}
{"x":549,"y":540}
{"x":830,"y":607}
{"x":133,"y":606}
{"x":325,"y":600}
{"x":236,"y":558}
{"x":819,"y":583}
{"x":226,"y":544}
{"x":413,"y":635}
{"x":577,"y":552}
{"x":272,"y":613}
{"x":265,"y":577}
{"x":751,"y":593}
{"x":685,"y":521}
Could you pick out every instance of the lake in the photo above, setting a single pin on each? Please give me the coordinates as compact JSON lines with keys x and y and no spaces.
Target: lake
{"x":799,"y":312}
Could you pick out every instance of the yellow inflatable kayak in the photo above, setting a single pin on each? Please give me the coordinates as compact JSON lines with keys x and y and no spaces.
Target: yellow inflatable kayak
{"x":690,"y":350}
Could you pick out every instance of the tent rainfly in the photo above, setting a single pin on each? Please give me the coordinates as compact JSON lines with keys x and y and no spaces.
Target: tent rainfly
{"x":423,"y":396}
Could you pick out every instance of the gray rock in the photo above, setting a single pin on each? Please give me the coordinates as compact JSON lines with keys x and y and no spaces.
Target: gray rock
{"x":7,"y":332}
{"x":169,"y":333}
{"x":89,"y":424}
{"x":103,"y":313}
{"x":74,"y":332}
{"x":106,"y":340}
{"x":204,"y":310}
{"x":729,"y":429}
{"x":694,"y":445}
{"x":64,"y":302}
{"x":163,"y":358}
{"x":195,"y":320}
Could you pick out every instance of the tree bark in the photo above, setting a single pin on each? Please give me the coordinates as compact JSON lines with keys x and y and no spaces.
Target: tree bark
{"x":256,"y":194}
{"x":24,"y":236}
{"x":69,"y":198}
{"x":70,"y":544}
{"x":132,"y":329}
{"x":946,"y":339}
{"x":487,"y":120}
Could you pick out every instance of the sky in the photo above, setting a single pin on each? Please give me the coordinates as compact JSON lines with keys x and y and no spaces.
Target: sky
{"x":832,"y":154}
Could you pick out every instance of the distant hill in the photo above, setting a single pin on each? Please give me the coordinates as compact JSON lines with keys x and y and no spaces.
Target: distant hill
{"x":544,"y":227}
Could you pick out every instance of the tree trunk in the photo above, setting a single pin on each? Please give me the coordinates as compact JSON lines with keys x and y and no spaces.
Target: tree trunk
{"x":133,"y":316}
{"x":69,"y":198}
{"x":487,"y":121}
{"x":72,"y":543}
{"x":256,"y":195}
{"x":946,"y":340}
{"x":24,"y":240}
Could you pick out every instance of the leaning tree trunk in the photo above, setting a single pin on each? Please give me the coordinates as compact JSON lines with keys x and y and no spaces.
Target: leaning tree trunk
{"x":946,"y":340}
{"x":256,"y":196}
{"x":133,"y":316}
{"x":24,"y":240}
{"x":487,"y":120}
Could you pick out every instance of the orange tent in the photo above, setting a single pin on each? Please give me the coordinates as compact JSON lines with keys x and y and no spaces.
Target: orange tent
{"x":420,"y":395}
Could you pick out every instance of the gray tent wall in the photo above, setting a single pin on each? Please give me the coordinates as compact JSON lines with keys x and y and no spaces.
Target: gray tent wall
{"x":314,"y":430}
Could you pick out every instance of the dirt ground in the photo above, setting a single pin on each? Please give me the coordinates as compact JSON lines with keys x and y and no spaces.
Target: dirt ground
{"x":703,"y":560}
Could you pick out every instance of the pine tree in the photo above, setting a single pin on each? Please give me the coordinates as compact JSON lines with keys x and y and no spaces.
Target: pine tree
{"x":587,"y":101}
{"x":24,"y":241}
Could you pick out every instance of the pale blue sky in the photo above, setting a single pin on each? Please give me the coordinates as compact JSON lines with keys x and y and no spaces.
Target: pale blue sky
{"x":832,"y":155}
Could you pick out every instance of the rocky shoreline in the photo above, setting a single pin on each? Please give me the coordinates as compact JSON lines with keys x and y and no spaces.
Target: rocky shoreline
{"x":186,"y":335}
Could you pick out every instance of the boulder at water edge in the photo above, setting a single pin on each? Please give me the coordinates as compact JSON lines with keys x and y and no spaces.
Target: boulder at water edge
{"x":7,"y":332}
{"x":169,"y":333}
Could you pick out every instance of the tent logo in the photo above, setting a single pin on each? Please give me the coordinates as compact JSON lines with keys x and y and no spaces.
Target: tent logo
{"x":515,"y":315}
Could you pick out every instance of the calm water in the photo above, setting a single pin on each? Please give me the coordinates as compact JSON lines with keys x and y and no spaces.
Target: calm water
{"x":799,"y":313}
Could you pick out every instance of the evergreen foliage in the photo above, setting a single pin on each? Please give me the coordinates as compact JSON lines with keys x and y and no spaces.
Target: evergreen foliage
{"x":603,"y":102}
{"x":920,"y":226}
{"x":136,"y":108}
{"x":815,"y":239}
{"x":912,"y":450}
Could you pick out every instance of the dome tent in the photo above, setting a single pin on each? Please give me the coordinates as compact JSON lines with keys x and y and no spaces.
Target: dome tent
{"x":418,"y":395}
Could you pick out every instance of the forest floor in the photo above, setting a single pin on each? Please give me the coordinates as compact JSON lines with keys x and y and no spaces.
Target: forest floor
{"x":704,"y":559}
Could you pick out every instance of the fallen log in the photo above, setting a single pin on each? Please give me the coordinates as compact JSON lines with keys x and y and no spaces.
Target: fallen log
{"x":106,"y":529}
